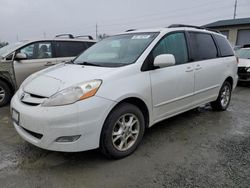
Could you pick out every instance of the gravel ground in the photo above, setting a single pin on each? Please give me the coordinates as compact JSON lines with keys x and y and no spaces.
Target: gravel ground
{"x":200,"y":148}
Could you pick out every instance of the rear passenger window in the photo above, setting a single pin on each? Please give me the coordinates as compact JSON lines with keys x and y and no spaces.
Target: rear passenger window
{"x":69,"y":49}
{"x":203,"y":46}
{"x":224,"y":46}
{"x":174,"y":44}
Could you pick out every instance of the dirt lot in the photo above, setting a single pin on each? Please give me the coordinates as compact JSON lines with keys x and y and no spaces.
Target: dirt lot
{"x":200,"y":148}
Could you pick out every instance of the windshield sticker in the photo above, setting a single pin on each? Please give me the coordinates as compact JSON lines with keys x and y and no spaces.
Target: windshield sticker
{"x":141,"y":36}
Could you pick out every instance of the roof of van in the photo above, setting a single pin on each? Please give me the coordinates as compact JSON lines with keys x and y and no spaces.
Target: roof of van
{"x":166,"y":29}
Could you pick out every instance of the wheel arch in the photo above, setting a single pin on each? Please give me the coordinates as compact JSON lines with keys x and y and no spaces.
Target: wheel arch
{"x":230,"y":80}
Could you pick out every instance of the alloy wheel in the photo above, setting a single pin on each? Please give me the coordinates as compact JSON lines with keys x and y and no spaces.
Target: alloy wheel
{"x":2,"y":94}
{"x":125,"y":132}
{"x":225,"y":96}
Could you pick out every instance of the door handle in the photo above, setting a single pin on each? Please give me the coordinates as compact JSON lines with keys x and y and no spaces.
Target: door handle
{"x":189,"y":69}
{"x":49,"y":64}
{"x":198,"y":67}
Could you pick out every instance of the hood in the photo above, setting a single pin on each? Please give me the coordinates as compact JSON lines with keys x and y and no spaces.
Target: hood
{"x":50,"y":81}
{"x":244,"y":63}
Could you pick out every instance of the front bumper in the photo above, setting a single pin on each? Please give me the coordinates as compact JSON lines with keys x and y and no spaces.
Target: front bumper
{"x":243,"y":74}
{"x":41,"y":126}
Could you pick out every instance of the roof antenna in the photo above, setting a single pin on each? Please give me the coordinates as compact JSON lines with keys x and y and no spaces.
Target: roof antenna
{"x":235,"y":8}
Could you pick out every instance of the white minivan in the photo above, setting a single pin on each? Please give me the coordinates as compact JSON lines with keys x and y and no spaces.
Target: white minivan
{"x":117,"y":88}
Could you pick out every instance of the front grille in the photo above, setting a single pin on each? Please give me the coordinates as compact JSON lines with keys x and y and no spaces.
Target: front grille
{"x":30,"y":103}
{"x":36,"y":135}
{"x":242,"y":70}
{"x":31,"y":99}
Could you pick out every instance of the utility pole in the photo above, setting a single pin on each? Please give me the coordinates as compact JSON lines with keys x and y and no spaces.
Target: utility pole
{"x":235,"y":8}
{"x":96,"y":31}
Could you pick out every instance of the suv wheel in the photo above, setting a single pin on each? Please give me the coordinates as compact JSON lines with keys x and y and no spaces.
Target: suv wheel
{"x":224,"y":97}
{"x":5,"y":93}
{"x":122,"y":132}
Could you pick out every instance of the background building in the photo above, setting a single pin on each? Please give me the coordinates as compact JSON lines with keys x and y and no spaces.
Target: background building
{"x":236,"y":30}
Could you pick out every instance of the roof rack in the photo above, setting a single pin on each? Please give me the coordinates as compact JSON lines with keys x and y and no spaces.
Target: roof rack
{"x":70,"y":36}
{"x":63,"y":35}
{"x":183,"y":25}
{"x":192,"y":26}
{"x":130,"y":30}
{"x":88,"y":36}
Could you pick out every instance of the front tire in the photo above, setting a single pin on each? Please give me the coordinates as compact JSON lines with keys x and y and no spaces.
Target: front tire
{"x":5,"y":93}
{"x":224,"y":98}
{"x":122,"y":132}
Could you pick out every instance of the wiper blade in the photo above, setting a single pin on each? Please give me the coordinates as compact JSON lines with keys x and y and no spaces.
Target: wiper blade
{"x":69,"y":62}
{"x":87,"y":63}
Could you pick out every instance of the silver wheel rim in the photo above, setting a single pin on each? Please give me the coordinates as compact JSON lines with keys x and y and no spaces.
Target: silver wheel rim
{"x":2,"y":94}
{"x":125,"y":132}
{"x":225,"y":96}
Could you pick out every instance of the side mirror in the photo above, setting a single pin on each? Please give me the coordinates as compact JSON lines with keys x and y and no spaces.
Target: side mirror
{"x":164,"y":60}
{"x":21,"y":56}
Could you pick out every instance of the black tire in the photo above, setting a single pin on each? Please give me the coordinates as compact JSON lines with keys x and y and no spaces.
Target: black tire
{"x":5,"y":93}
{"x":218,"y":105}
{"x":107,"y":147}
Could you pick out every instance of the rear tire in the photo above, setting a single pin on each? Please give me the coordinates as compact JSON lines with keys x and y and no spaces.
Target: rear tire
{"x":224,"y":98}
{"x":122,"y":132}
{"x":5,"y":93}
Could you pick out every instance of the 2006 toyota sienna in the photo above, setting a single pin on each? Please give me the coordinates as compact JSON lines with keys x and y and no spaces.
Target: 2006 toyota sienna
{"x":113,"y":91}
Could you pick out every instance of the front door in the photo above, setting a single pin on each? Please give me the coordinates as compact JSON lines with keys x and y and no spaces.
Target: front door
{"x":39,"y":56}
{"x":172,"y":87}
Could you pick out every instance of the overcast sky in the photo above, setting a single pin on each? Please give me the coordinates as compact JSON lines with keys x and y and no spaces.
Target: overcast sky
{"x":22,"y":19}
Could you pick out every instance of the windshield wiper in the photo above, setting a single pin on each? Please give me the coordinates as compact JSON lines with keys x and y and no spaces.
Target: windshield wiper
{"x":87,"y":63}
{"x":69,"y":62}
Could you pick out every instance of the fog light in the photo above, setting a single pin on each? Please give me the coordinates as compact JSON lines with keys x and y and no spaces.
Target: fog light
{"x":68,"y":138}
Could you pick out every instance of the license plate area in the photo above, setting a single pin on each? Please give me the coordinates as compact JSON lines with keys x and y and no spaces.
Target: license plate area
{"x":15,"y":115}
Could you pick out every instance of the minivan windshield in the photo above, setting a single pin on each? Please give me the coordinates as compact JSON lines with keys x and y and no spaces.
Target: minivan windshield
{"x":243,"y":53}
{"x":116,"y":51}
{"x":10,"y":47}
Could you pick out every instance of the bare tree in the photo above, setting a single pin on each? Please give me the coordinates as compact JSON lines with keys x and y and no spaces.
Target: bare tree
{"x":2,"y":44}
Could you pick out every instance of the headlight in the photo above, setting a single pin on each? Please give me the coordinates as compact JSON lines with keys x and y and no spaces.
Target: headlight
{"x":248,"y":69}
{"x":73,"y":94}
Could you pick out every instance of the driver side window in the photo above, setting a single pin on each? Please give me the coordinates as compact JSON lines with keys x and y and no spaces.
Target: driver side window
{"x":29,"y":51}
{"x":174,"y":44}
{"x":40,"y":50}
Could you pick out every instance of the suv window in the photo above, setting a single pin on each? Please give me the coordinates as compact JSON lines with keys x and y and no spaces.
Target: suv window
{"x":173,"y":44}
{"x":224,"y":46}
{"x":89,"y":44}
{"x":69,"y":49}
{"x":39,"y":50}
{"x":203,"y":46}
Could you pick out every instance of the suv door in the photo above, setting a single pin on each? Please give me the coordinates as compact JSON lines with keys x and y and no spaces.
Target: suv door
{"x":39,"y":56}
{"x":208,"y":67}
{"x":172,"y":87}
{"x":68,"y":50}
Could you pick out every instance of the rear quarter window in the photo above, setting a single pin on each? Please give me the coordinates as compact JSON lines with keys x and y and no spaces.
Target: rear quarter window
{"x":224,"y":46}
